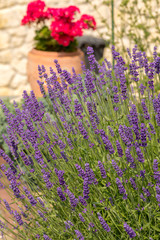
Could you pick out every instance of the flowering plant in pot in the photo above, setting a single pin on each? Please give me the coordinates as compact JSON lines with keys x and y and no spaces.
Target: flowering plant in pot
{"x":55,"y":38}
{"x":61,"y":35}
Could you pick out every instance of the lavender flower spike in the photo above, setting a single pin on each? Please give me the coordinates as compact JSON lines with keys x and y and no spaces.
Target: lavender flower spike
{"x":122,"y":190}
{"x":102,"y":169}
{"x":103,"y":223}
{"x":79,"y":235}
{"x":129,"y":230}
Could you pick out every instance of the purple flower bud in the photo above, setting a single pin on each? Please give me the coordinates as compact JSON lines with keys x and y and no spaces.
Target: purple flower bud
{"x":82,"y":130}
{"x":120,"y":186}
{"x":18,"y":218}
{"x":145,"y":110}
{"x":142,"y":88}
{"x":155,"y":165}
{"x":79,"y":235}
{"x":60,"y":194}
{"x":103,"y":223}
{"x":132,"y":180}
{"x":82,"y":201}
{"x":140,"y":155}
{"x":80,"y":170}
{"x":119,"y":149}
{"x":73,"y":200}
{"x":143,"y":135}
{"x":129,"y":230}
{"x":81,"y":217}
{"x":102,"y":169}
{"x":85,"y":189}
{"x":117,"y":169}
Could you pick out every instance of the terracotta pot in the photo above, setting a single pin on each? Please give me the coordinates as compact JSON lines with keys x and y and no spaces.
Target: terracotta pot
{"x":66,"y":60}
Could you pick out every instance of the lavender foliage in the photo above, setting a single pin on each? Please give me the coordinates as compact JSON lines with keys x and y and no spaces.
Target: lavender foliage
{"x":62,"y":172}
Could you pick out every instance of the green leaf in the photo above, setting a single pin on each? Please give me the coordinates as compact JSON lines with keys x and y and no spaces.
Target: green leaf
{"x":156,"y":228}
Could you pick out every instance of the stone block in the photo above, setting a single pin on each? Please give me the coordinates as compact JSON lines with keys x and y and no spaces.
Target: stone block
{"x":16,"y":41}
{"x":22,"y":51}
{"x":4,"y":40}
{"x":11,"y":17}
{"x":5,"y":56}
{"x":19,"y":91}
{"x":30,"y":36}
{"x":18,"y":31}
{"x":19,"y":65}
{"x":6,"y":3}
{"x":18,"y":80}
{"x":6,"y":75}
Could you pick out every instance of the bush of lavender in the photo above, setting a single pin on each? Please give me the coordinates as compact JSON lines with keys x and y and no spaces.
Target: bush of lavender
{"x":94,"y":164}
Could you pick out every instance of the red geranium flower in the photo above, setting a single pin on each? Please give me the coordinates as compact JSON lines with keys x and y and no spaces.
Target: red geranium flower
{"x":64,"y":28}
{"x":88,"y":21}
{"x":35,"y":11}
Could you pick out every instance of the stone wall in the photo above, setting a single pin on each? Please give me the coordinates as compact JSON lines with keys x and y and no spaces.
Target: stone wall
{"x":16,"y":40}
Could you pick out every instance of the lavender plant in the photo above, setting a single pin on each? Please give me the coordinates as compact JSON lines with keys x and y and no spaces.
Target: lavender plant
{"x":94,"y":164}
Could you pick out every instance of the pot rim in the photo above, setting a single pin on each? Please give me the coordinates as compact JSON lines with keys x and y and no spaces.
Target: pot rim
{"x":56,"y":54}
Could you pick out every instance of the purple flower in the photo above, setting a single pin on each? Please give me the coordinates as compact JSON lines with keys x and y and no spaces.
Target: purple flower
{"x":60,"y":176}
{"x":102,"y":169}
{"x":117,"y":169}
{"x":27,"y":161}
{"x":81,"y":217}
{"x":129,"y":157}
{"x":142,"y":173}
{"x":72,"y":198}
{"x":68,"y":224}
{"x":120,"y":186}
{"x":79,"y":235}
{"x":85,"y":189}
{"x":157,"y":65}
{"x":91,"y":58}
{"x":116,"y":98}
{"x":89,"y":83}
{"x":61,"y":194}
{"x":114,"y":53}
{"x":82,"y":201}
{"x":146,"y":191}
{"x":78,"y":109}
{"x":103,"y":223}
{"x":145,"y":110}
{"x":42,"y":215}
{"x":143,"y":135}
{"x":155,"y":165}
{"x":106,"y":141}
{"x":123,"y":136}
{"x":80,"y":170}
{"x":119,"y":149}
{"x":132,"y":180}
{"x":89,"y":173}
{"x":7,"y":206}
{"x":152,"y":128}
{"x":158,"y":194}
{"x":111,"y":131}
{"x":140,"y":155}
{"x":18,"y":218}
{"x":82,"y":130}
{"x":45,"y":236}
{"x":133,"y":71}
{"x":129,"y":230}
{"x":91,"y":225}
{"x":142,"y":88}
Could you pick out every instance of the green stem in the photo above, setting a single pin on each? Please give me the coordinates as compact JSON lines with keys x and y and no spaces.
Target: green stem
{"x":112,"y":19}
